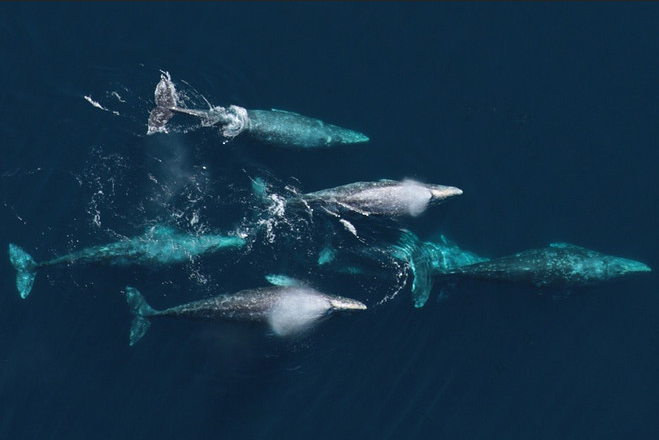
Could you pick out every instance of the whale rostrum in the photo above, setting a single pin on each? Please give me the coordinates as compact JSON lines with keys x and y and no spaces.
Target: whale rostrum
{"x":160,"y":245}
{"x":276,"y":127}
{"x":287,"y":309}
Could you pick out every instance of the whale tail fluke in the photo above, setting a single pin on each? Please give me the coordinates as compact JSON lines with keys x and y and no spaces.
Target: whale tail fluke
{"x":165,"y":97}
{"x":422,"y":272}
{"x":415,"y":252}
{"x":26,"y":269}
{"x":141,"y":311}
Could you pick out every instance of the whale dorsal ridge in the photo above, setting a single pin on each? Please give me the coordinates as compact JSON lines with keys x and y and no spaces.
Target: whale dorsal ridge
{"x":285,"y":111}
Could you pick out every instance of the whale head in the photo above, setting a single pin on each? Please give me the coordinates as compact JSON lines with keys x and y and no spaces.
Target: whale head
{"x":300,"y":307}
{"x":616,"y":267}
{"x":340,"y":303}
{"x":439,"y":193}
{"x":416,"y":196}
{"x":587,"y":266}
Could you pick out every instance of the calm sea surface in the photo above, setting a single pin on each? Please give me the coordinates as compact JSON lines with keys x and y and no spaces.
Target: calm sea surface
{"x":546,"y":115}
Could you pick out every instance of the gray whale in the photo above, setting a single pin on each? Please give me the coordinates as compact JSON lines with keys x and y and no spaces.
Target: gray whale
{"x":276,"y":127}
{"x":384,"y":197}
{"x":287,"y":309}
{"x":160,"y":245}
{"x":560,"y":265}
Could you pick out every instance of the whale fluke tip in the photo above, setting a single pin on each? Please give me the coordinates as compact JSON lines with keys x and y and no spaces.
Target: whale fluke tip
{"x":166,"y":100}
{"x":25,"y":269}
{"x":140,"y":310}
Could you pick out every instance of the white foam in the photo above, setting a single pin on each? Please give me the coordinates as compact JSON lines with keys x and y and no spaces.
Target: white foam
{"x":296,"y":311}
{"x":415,"y":196}
{"x":96,"y":104}
{"x":119,"y":98}
{"x":236,"y":122}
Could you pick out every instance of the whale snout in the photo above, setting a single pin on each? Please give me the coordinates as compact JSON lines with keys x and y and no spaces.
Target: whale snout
{"x":440,"y":192}
{"x":624,"y":266}
{"x":357,"y":137}
{"x":347,"y":304}
{"x":637,"y":266}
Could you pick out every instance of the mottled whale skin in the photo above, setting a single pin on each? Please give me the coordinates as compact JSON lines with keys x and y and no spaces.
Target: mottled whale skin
{"x":275,"y":127}
{"x":560,"y":265}
{"x":384,"y":197}
{"x":161,"y":245}
{"x":286,"y":309}
{"x":284,"y":128}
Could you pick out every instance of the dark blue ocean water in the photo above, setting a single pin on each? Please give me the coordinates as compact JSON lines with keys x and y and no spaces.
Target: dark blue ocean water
{"x":546,"y":116}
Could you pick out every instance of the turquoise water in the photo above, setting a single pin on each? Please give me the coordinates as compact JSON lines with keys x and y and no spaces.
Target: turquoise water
{"x":544,"y":115}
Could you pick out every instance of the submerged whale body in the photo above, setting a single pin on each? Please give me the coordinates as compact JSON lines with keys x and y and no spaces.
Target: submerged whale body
{"x":423,"y":260}
{"x":384,"y":197}
{"x":559,"y":265}
{"x":276,"y":127}
{"x":287,"y":309}
{"x":161,"y":245}
{"x":426,"y":259}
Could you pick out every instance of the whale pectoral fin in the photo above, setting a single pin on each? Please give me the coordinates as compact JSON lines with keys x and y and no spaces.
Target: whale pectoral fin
{"x":326,"y":255}
{"x":330,"y":212}
{"x":283,"y":281}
